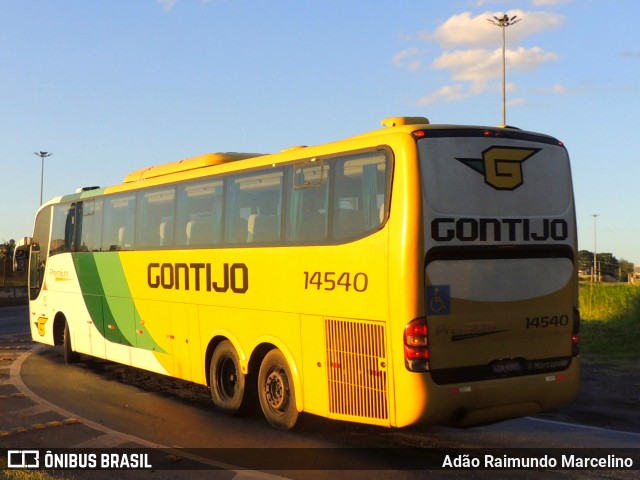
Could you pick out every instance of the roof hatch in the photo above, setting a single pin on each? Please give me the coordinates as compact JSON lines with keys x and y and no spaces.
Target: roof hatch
{"x":202,"y":161}
{"x":400,"y":121}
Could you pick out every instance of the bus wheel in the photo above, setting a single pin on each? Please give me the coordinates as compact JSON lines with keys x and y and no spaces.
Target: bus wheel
{"x":227,"y":380}
{"x":69,"y":355}
{"x":276,"y":393}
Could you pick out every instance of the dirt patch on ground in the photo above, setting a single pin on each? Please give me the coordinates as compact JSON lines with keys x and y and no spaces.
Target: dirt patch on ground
{"x":151,"y":382}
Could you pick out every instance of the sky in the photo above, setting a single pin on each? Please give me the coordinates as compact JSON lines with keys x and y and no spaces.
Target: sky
{"x":109,"y":87}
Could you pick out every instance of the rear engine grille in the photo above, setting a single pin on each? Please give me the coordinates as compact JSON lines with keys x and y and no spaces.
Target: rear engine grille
{"x":357,"y":369}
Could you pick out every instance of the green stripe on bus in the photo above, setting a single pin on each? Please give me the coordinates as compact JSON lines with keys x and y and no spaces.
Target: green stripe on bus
{"x":108,"y":299}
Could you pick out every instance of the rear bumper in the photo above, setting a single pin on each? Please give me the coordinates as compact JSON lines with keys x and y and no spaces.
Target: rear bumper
{"x":475,"y":403}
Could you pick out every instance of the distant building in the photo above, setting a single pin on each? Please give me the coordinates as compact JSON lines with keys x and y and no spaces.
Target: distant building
{"x":584,"y":273}
{"x":634,"y":277}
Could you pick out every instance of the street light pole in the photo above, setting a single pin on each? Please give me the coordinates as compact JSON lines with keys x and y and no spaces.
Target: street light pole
{"x":595,"y":260}
{"x":42,"y":156}
{"x":503,"y":23}
{"x":3,"y":254}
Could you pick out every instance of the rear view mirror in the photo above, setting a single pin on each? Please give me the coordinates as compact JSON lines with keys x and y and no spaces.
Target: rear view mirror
{"x":20,"y":254}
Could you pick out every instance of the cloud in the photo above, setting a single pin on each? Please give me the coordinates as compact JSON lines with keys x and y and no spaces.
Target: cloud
{"x":470,"y":65}
{"x":466,"y":30}
{"x":447,"y":93}
{"x":548,"y":3}
{"x":528,"y":59}
{"x":517,"y":102}
{"x":482,"y":3}
{"x":559,"y":89}
{"x":481,"y":65}
{"x":403,"y":59}
{"x":415,"y":65}
{"x":167,"y":5}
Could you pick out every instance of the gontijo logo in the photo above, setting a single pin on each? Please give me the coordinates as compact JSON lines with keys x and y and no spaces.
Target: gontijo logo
{"x":501,"y":166}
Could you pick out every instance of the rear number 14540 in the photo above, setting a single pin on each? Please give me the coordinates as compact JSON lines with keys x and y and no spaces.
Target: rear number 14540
{"x":336,"y":281}
{"x":548,"y":321}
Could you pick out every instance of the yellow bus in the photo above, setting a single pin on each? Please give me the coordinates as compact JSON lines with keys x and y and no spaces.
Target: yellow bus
{"x":417,"y":273}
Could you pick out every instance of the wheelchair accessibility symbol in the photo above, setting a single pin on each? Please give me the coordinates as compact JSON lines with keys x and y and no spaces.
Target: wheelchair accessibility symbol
{"x":439,"y":300}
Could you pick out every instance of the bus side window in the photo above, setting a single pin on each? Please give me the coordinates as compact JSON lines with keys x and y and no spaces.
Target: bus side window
{"x":308,"y":204}
{"x":119,"y":222}
{"x":254,"y":203}
{"x":64,"y":229}
{"x":91,"y":226}
{"x":199,"y":213}
{"x":154,"y":227}
{"x":361,"y":184}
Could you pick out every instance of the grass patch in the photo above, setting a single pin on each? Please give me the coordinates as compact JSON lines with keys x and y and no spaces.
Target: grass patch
{"x":610,"y":327}
{"x":22,"y":474}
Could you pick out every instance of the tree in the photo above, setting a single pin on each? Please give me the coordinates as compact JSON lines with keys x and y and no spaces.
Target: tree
{"x":585,"y":260}
{"x":7,"y":275}
{"x":608,"y":266}
{"x":626,"y":268}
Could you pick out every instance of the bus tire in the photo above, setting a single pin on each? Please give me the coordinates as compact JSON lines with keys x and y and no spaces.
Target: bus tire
{"x":69,"y":355}
{"x":276,"y":392}
{"x":226,"y":378}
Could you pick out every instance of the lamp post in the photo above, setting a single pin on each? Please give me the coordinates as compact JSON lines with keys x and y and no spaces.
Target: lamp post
{"x":3,"y":255}
{"x":595,"y":260}
{"x":42,"y":156}
{"x":503,"y":23}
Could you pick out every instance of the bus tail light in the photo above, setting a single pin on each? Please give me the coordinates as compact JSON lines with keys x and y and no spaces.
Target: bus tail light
{"x":575,"y":335}
{"x":416,"y":345}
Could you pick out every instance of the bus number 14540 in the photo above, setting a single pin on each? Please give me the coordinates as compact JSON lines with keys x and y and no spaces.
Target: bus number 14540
{"x":336,"y":281}
{"x":548,"y":321}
